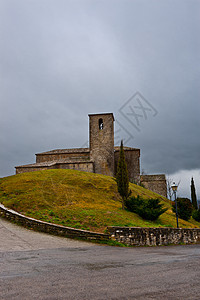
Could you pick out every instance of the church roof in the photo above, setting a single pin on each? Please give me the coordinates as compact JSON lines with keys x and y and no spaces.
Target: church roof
{"x":62,"y":151}
{"x":80,"y":150}
{"x":55,"y":162}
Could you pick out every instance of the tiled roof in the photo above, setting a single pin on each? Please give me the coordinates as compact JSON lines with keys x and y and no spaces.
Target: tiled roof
{"x":35,"y":165}
{"x":52,"y":163}
{"x":62,"y":151}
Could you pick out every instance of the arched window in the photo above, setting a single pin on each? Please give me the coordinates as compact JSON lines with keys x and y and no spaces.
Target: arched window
{"x":100,"y":124}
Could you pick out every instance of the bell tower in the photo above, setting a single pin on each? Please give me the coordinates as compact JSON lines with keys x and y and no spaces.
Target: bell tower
{"x":102,"y":142}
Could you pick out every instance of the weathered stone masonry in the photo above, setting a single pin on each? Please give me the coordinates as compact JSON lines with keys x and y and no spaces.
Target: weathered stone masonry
{"x":155,"y":183}
{"x":140,"y":236}
{"x":42,"y":226}
{"x":102,"y":143}
{"x":132,"y":236}
{"x":101,"y":157}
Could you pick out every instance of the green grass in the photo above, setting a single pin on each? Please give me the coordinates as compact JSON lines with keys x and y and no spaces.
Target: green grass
{"x":79,"y":200}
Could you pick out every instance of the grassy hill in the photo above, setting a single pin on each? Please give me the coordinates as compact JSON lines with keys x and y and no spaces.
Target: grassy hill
{"x":78,"y":199}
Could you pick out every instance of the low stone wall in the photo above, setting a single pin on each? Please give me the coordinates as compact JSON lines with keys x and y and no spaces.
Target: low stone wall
{"x":138,"y":236}
{"x":132,"y":236}
{"x":49,"y":227}
{"x":20,"y":170}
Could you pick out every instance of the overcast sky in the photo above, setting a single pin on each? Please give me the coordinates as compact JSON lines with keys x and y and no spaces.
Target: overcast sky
{"x":61,"y":59}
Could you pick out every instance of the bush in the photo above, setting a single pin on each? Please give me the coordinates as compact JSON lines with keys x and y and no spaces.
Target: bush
{"x":133,"y":202}
{"x":184,"y":208}
{"x":148,"y":209}
{"x":196,"y":215}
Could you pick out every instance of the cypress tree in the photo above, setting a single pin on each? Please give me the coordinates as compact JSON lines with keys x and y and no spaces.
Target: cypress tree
{"x":193,"y":195}
{"x":122,"y":176}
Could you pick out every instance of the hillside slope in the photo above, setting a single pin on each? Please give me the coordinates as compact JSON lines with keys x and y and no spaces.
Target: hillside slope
{"x":78,"y":199}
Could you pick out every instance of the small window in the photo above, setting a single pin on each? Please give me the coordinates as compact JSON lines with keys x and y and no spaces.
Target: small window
{"x":100,"y":124}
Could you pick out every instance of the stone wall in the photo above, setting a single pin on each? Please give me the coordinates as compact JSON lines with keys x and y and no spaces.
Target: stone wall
{"x":132,"y":236}
{"x":80,"y":166}
{"x":137,"y":236}
{"x":24,"y":169}
{"x":61,"y":154}
{"x":132,"y":157}
{"x":86,"y":166}
{"x":50,"y":228}
{"x":155,"y":183}
{"x":102,"y":143}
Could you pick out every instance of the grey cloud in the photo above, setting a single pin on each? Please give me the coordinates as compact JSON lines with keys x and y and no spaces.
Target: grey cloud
{"x":61,"y":60}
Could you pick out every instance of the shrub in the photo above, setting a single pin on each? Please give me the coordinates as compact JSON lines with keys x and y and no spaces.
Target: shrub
{"x":184,"y":208}
{"x":196,"y":215}
{"x":132,"y":203}
{"x":148,"y":209}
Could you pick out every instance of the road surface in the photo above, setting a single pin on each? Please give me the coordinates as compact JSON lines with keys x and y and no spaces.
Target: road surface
{"x":39,"y":266}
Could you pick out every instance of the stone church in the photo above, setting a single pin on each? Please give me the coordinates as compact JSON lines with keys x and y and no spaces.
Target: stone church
{"x":101,"y":157}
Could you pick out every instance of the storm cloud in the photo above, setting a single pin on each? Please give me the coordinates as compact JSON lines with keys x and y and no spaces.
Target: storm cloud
{"x":60,"y":60}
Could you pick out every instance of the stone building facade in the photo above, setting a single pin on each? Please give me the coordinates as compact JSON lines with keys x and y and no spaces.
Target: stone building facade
{"x":155,"y":183}
{"x":101,"y":157}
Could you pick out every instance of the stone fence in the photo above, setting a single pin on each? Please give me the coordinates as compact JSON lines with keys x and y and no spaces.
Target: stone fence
{"x":132,"y":236}
{"x":140,"y":236}
{"x":49,"y":227}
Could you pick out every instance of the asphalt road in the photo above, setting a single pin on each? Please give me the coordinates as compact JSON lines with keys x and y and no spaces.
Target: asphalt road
{"x":39,"y":266}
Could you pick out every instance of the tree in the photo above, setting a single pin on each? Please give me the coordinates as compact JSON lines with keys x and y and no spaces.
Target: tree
{"x":148,"y":209}
{"x":196,"y":215}
{"x":169,"y":189}
{"x":122,"y":176}
{"x":193,"y":195}
{"x":184,"y":207}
